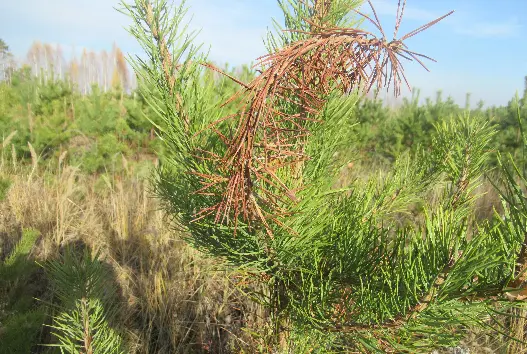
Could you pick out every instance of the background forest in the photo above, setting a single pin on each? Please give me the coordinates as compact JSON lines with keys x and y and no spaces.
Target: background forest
{"x":77,"y":216}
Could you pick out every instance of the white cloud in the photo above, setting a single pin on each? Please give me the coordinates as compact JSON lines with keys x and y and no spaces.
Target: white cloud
{"x":232,"y":28}
{"x":74,"y":24}
{"x":509,"y":28}
{"x":97,"y":16}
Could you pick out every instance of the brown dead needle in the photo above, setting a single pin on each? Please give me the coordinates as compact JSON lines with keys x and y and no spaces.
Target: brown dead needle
{"x":278,"y":107}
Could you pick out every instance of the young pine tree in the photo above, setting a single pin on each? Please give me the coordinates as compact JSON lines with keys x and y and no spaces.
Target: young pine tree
{"x":251,"y":180}
{"x":82,"y":285}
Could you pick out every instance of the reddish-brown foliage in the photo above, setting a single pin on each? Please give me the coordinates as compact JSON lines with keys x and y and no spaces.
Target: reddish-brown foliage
{"x":301,"y":75}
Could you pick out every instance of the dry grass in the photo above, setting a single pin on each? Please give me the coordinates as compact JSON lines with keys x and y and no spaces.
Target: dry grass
{"x":172,"y":299}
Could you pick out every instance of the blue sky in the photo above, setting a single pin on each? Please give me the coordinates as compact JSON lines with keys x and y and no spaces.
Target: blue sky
{"x":481,"y":48}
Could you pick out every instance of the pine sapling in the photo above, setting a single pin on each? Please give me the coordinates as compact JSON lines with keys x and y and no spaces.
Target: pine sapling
{"x":251,"y":180}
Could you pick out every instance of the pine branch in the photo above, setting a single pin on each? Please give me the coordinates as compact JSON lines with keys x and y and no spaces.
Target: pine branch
{"x":86,"y":305}
{"x":252,"y":182}
{"x":302,"y":74}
